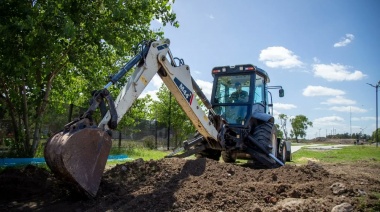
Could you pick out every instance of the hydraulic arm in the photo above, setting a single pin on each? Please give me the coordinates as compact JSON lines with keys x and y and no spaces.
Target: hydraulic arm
{"x":79,"y":152}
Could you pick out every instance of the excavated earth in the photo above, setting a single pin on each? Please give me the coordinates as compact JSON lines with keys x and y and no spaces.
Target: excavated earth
{"x":200,"y":185}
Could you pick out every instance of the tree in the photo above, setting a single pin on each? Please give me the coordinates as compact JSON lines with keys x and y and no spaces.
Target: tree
{"x":279,"y":132}
{"x":138,"y":111}
{"x":180,"y":123}
{"x":283,"y":119}
{"x":299,"y":126}
{"x":54,"y":51}
{"x":374,"y":135}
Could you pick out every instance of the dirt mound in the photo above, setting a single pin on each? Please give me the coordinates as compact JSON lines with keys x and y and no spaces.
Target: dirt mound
{"x":200,"y":185}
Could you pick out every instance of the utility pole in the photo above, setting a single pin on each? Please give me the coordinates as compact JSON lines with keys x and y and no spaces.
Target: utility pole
{"x":376,"y":87}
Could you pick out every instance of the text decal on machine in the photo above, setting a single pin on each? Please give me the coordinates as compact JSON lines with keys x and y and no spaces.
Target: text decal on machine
{"x":184,"y":90}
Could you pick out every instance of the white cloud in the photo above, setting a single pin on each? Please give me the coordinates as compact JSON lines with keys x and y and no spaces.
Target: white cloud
{"x":152,"y":88}
{"x":206,"y":87}
{"x":366,"y":118}
{"x":328,"y":121}
{"x":345,"y":40}
{"x":348,"y":109}
{"x":276,"y":113}
{"x":197,"y":72}
{"x":336,"y":72}
{"x":279,"y":57}
{"x":151,"y":93}
{"x":157,"y":81}
{"x":316,"y":60}
{"x":211,"y":16}
{"x":321,"y":91}
{"x":158,"y":21}
{"x":339,"y":100}
{"x":284,"y":106}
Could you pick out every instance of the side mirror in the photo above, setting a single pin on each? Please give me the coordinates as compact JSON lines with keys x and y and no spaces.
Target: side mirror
{"x":281,"y":92}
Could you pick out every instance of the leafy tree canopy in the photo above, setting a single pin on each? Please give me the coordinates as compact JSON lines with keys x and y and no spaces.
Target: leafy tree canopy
{"x":299,"y":126}
{"x":374,"y":135}
{"x":57,"y":51}
{"x":283,"y":119}
{"x":165,"y":108}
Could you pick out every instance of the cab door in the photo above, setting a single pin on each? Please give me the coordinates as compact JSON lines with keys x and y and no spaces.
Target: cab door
{"x":259,"y":97}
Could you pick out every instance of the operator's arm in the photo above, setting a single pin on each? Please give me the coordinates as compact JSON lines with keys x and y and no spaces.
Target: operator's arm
{"x":233,"y":97}
{"x":241,"y":96}
{"x":244,"y":96}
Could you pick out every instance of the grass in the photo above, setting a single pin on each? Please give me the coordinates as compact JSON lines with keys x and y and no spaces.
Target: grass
{"x":363,"y":204}
{"x":135,"y":150}
{"x":348,"y":154}
{"x":141,"y":152}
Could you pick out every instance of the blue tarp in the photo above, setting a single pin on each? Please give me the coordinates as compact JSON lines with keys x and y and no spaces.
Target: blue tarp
{"x":24,"y":161}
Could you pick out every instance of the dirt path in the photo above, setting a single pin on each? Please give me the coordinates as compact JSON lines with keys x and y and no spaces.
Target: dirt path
{"x":201,"y":185}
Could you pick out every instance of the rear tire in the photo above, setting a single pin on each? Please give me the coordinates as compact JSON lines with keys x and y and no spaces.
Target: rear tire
{"x":282,"y":151}
{"x":288,"y":155}
{"x":285,"y":151}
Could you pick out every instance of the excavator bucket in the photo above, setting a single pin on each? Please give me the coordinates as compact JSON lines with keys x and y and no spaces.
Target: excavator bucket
{"x":79,"y":155}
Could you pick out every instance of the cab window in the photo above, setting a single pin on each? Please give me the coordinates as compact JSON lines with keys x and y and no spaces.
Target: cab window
{"x":232,"y":89}
{"x":259,"y":96}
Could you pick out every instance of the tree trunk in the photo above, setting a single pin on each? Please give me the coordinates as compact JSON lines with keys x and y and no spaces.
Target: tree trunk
{"x":40,"y":110}
{"x":12,"y":112}
{"x":36,"y":136}
{"x":25,"y":120}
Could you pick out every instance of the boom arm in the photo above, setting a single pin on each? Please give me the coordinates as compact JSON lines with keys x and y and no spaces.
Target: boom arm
{"x":178,"y":80}
{"x":79,"y":152}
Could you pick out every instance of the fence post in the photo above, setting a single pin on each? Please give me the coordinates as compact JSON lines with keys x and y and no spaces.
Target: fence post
{"x":155,"y":137}
{"x":170,"y":108}
{"x":71,"y":106}
{"x":119,"y":139}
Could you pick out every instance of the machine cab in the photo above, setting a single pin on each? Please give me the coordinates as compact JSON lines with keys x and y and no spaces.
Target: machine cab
{"x":238,"y":92}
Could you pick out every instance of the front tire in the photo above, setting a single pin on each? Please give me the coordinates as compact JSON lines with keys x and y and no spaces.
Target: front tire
{"x":228,"y":157}
{"x":209,"y":153}
{"x":264,"y":138}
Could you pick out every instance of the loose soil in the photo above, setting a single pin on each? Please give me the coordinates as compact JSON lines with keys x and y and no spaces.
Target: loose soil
{"x":200,"y":185}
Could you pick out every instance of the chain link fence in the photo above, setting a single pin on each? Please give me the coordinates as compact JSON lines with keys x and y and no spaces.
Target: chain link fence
{"x":147,"y":133}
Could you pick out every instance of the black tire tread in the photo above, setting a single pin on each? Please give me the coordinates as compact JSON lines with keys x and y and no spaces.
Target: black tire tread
{"x":263,"y":134}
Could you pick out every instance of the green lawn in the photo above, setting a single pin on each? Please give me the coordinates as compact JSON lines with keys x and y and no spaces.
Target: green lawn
{"x":347,"y":154}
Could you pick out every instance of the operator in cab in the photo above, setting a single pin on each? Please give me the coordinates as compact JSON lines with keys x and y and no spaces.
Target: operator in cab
{"x":239,"y":95}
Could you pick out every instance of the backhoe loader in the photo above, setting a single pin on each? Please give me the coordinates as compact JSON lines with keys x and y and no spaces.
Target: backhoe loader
{"x":238,"y":123}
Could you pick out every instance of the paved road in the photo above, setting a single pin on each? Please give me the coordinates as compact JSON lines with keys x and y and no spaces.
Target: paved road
{"x":296,"y":148}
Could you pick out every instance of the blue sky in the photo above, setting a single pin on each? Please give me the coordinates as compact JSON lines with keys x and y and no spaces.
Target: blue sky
{"x":322,"y":52}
